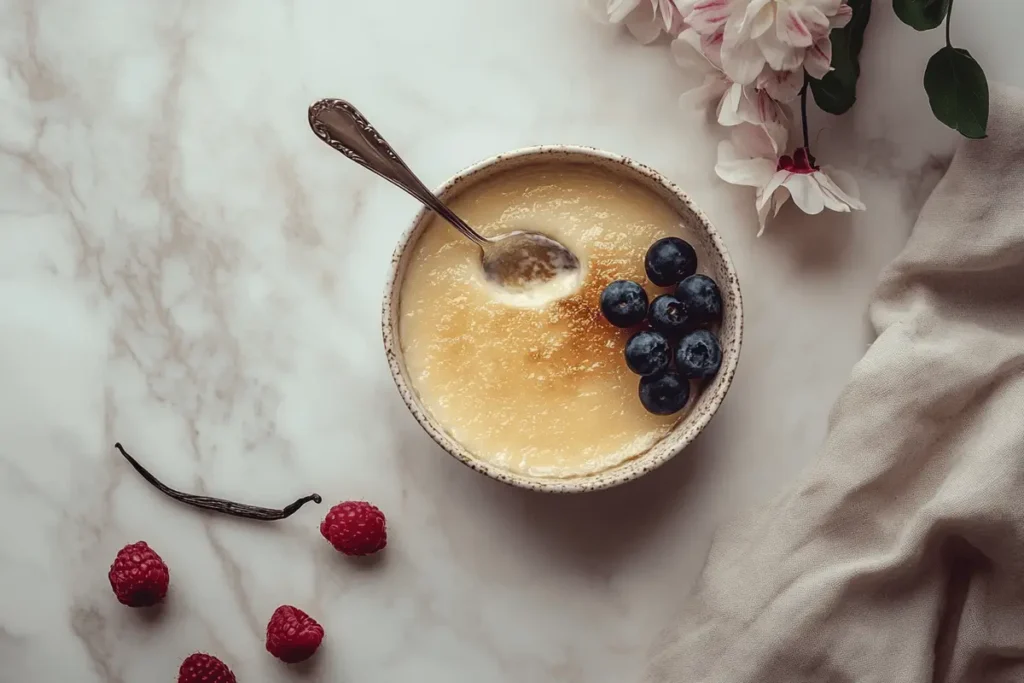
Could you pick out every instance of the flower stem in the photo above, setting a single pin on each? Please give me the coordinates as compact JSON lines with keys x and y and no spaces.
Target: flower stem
{"x":803,"y":112}
{"x":949,"y":15}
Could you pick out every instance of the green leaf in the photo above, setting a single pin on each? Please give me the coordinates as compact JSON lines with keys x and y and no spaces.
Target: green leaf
{"x":958,"y":91}
{"x":922,"y":15}
{"x":837,"y":91}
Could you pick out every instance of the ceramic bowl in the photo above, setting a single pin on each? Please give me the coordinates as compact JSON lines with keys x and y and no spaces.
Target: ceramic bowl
{"x":715,"y":262}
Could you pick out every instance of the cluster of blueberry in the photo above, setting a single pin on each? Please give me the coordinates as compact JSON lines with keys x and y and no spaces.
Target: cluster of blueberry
{"x":678,"y":320}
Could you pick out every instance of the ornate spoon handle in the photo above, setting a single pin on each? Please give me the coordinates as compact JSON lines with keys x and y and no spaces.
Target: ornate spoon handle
{"x":341,"y":126}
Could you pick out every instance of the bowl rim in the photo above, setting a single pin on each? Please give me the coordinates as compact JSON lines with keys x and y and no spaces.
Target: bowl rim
{"x":605,"y":479}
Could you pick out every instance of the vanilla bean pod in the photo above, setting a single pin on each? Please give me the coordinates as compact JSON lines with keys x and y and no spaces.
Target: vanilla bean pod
{"x":226,"y":507}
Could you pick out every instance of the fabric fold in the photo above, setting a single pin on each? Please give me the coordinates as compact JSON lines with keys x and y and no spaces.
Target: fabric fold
{"x":899,"y":556}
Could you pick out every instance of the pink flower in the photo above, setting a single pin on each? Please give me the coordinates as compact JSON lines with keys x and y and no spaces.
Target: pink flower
{"x":781,"y":86}
{"x":785,"y":35}
{"x":645,"y":19}
{"x":702,"y":54}
{"x":759,"y":103}
{"x":812,"y":187}
{"x":750,"y":159}
{"x":707,"y":17}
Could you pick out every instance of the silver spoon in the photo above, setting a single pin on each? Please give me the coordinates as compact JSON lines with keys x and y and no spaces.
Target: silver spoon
{"x":517,"y":260}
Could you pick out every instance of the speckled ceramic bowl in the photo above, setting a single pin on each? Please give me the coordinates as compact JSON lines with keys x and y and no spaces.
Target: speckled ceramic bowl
{"x":714,"y":260}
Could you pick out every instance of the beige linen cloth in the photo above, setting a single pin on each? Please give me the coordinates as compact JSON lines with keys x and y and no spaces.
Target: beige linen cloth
{"x":899,"y":556}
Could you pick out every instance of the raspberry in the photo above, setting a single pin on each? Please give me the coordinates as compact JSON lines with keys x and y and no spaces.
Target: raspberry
{"x":355,"y":528}
{"x":204,"y":668}
{"x":292,"y":635}
{"x":138,"y":576}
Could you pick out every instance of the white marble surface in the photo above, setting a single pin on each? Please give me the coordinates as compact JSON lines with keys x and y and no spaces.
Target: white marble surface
{"x":184,"y":268}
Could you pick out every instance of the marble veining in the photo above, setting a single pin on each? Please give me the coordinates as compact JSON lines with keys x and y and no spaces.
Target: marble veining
{"x":184,"y":268}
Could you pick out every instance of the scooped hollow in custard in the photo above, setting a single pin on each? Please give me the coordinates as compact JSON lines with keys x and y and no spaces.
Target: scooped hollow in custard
{"x":538,"y":390}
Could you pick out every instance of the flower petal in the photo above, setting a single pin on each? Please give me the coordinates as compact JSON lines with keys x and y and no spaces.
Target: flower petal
{"x":686,"y":49}
{"x":762,"y":217}
{"x":778,"y":55}
{"x":832,"y":201}
{"x":846,"y":182}
{"x":729,"y":106}
{"x":756,"y":107}
{"x":742,"y":60}
{"x":643,"y":24}
{"x":618,"y":10}
{"x":816,"y":21}
{"x":769,"y":203}
{"x":771,"y":187}
{"x":791,"y":27}
{"x":842,"y":17}
{"x":691,"y":50}
{"x":645,"y":32}
{"x":665,"y":9}
{"x":840,"y":187}
{"x":780,"y":197}
{"x":754,"y":142}
{"x":818,"y":58}
{"x":707,"y":16}
{"x":699,"y":97}
{"x":747,"y":172}
{"x":781,"y":86}
{"x":711,"y":47}
{"x":766,"y":110}
{"x":758,"y":18}
{"x":777,"y":135}
{"x":806,"y":191}
{"x":670,"y":17}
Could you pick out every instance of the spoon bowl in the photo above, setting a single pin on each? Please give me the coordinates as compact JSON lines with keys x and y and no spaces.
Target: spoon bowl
{"x":518,"y":261}
{"x":524,"y":260}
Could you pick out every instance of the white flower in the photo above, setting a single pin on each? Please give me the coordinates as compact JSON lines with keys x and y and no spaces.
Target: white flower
{"x":645,"y":19}
{"x":750,"y":159}
{"x":785,"y":35}
{"x":759,"y":104}
{"x":699,"y":53}
{"x":707,"y":17}
{"x":754,"y":104}
{"x":781,"y":86}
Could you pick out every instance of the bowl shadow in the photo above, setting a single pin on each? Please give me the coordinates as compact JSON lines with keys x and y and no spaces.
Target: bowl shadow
{"x":589,"y":532}
{"x":599,"y":529}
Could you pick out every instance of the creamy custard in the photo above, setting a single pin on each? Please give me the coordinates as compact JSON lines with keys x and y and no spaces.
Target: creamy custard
{"x":543,"y":389}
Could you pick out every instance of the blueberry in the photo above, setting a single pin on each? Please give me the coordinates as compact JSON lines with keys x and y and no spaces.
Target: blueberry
{"x":669,"y":315}
{"x":698,"y":355}
{"x":702,"y":298}
{"x":664,"y":394}
{"x":624,"y":303}
{"x":670,"y":260}
{"x":648,"y":353}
